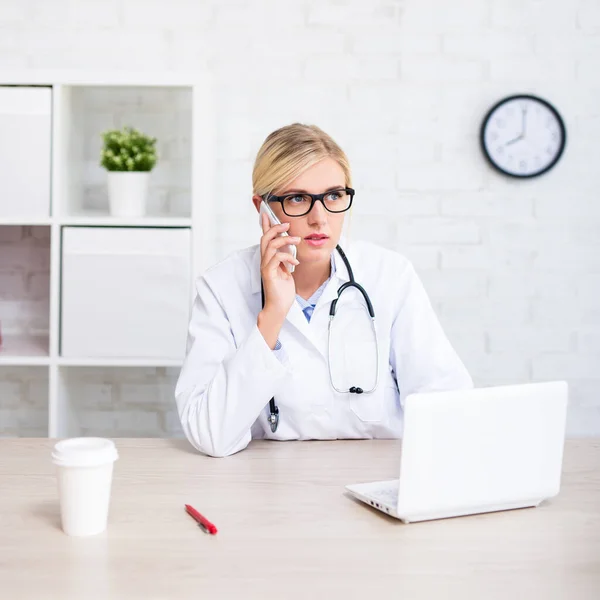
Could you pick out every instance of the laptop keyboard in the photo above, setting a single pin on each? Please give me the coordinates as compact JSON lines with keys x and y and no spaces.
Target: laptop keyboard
{"x":387,"y":495}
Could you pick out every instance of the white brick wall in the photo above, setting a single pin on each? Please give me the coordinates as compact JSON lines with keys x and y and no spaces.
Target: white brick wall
{"x":513,"y":267}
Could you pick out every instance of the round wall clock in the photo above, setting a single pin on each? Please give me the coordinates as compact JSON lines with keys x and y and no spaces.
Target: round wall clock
{"x":523,"y":136}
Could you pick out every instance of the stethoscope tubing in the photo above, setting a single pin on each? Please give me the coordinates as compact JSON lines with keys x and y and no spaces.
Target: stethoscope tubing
{"x":273,"y":408}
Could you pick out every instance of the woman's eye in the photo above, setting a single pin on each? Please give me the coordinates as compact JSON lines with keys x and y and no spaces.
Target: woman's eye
{"x":333,"y":196}
{"x":295,"y":199}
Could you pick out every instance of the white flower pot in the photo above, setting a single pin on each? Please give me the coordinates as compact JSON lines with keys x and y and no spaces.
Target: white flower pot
{"x":127,"y":193}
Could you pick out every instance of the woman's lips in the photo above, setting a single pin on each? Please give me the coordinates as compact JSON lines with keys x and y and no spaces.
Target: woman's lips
{"x":316,"y":241}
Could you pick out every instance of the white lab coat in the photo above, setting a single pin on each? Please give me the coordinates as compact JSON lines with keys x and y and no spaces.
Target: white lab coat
{"x":230,"y":373}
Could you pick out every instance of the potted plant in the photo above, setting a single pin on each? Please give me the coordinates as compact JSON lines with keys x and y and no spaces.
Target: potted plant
{"x":128,"y":156}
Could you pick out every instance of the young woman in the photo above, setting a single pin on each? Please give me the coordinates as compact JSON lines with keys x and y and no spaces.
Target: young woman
{"x":266,"y":358}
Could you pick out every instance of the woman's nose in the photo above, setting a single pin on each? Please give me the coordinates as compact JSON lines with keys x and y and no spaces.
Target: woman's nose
{"x":318,"y":214}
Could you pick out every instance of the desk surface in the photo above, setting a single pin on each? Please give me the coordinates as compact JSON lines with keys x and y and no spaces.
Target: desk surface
{"x":287,"y":530}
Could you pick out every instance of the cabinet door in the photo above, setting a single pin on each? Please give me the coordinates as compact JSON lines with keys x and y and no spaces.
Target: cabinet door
{"x":25,"y":151}
{"x":125,"y":292}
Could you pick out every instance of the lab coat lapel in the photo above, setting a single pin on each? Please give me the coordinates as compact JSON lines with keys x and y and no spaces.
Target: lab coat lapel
{"x":297,"y":319}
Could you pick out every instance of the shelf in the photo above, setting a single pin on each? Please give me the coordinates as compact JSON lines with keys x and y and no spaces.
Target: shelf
{"x":100,"y":219}
{"x":77,"y":77}
{"x":118,"y":362}
{"x":24,"y":351}
{"x":25,"y":221}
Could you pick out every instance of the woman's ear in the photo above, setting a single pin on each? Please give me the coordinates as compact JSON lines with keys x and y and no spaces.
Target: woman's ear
{"x":256,"y":200}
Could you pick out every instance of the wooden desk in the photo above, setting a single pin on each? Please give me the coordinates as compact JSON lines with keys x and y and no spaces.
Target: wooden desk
{"x":287,"y":530}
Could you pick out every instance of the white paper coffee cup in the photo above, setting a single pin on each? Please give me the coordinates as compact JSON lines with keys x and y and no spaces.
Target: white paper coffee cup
{"x":84,"y":472}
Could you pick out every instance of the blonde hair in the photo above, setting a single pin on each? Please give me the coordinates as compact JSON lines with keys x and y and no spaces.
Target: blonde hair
{"x":291,"y":150}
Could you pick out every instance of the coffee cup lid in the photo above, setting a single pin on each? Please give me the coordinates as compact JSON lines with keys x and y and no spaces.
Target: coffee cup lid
{"x":84,"y":452}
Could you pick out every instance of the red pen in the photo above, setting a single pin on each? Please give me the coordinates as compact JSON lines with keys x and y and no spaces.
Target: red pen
{"x":203,"y":522}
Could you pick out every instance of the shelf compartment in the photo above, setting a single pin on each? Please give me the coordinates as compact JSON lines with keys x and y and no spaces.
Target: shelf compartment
{"x":23,"y":401}
{"x":24,"y":294}
{"x":25,"y":151}
{"x":119,"y":402}
{"x":88,"y":111}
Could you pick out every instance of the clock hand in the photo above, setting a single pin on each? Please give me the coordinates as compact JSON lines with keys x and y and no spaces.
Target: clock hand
{"x":524,"y":114}
{"x":520,"y":137}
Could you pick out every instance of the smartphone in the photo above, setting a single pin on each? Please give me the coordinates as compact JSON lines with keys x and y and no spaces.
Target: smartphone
{"x":290,"y":249}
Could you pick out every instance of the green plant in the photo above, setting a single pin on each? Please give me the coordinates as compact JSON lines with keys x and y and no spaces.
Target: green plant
{"x":127,"y":150}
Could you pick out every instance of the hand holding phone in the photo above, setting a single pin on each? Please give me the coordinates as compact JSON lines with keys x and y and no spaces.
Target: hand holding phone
{"x":278,"y":259}
{"x":290,"y":248}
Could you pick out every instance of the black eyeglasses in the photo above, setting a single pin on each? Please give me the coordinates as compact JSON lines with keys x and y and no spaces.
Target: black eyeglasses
{"x":298,"y":205}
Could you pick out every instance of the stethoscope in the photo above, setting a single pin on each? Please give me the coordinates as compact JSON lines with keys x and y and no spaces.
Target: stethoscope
{"x":273,"y":408}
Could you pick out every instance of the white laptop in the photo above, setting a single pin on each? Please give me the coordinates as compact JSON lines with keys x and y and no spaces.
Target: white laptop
{"x":473,"y":451}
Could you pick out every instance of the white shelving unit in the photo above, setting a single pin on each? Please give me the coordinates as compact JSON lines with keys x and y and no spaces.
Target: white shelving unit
{"x":179,"y":111}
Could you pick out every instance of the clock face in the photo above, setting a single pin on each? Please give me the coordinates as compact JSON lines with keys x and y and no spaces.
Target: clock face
{"x":523,"y":136}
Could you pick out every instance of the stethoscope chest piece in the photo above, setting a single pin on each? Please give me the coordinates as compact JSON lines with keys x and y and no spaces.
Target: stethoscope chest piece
{"x":274,"y":418}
